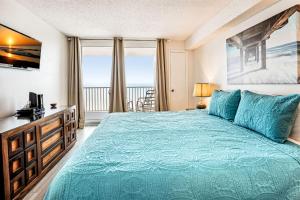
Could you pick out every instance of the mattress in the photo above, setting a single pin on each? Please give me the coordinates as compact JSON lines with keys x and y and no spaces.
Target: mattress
{"x":177,"y":155}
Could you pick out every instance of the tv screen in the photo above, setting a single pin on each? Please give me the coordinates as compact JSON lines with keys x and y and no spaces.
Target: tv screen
{"x":18,"y":50}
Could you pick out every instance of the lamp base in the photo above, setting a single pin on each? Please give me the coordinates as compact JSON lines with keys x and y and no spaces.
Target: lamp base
{"x":201,"y":106}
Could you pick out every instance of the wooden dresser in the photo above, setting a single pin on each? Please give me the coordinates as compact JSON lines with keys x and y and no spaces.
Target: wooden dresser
{"x":30,"y":149}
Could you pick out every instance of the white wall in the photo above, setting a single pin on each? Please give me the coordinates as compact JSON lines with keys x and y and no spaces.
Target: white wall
{"x":51,"y":79}
{"x":210,"y":59}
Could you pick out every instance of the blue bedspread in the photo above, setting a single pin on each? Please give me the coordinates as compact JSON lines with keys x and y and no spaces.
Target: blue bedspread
{"x":177,"y":155}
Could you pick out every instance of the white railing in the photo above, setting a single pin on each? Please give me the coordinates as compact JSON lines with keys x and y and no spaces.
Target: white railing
{"x":97,"y":98}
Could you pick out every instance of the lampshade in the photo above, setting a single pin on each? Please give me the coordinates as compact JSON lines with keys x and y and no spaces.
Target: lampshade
{"x":202,"y":90}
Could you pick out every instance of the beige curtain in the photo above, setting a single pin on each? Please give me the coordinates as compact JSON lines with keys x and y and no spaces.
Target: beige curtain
{"x":117,"y":98}
{"x":161,"y":101}
{"x":75,"y":89}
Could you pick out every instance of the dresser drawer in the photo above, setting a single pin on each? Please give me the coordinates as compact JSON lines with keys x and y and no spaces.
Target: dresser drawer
{"x":68,"y":133}
{"x":31,"y":172}
{"x":51,"y":139}
{"x":30,"y":155}
{"x":51,"y":125}
{"x":15,"y":144}
{"x":67,"y":117}
{"x":70,"y":115}
{"x":29,"y":137}
{"x":73,"y":126}
{"x":17,"y":184}
{"x":16,"y":165}
{"x":73,"y":136}
{"x":73,"y":131}
{"x":73,"y":114}
{"x":52,"y":154}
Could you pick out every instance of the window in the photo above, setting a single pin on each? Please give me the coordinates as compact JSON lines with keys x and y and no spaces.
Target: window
{"x":139,"y":58}
{"x":96,"y":66}
{"x":139,"y":70}
{"x":96,"y":70}
{"x":139,"y":67}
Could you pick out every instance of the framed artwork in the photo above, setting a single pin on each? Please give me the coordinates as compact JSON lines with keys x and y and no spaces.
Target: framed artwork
{"x":267,"y":53}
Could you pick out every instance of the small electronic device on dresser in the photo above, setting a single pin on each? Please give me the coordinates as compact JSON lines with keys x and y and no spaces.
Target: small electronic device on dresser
{"x":34,"y":108}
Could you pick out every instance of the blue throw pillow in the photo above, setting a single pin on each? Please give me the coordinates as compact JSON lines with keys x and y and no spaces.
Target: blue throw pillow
{"x":272,"y":116}
{"x":225,"y":104}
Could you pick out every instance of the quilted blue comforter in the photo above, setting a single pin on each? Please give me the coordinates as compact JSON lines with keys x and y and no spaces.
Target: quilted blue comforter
{"x":177,"y":155}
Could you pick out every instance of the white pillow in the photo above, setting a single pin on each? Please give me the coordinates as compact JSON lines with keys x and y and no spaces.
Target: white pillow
{"x":295,"y":134}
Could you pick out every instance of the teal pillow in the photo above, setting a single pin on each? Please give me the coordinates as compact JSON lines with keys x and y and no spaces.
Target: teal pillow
{"x":272,"y":116}
{"x":224,"y":104}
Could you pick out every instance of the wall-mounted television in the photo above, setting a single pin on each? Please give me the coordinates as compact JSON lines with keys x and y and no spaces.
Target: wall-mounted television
{"x":18,"y":50}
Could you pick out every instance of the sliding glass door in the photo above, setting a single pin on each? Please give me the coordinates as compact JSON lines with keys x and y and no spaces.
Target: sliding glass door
{"x":139,"y":58}
{"x":96,"y":62}
{"x":139,"y":70}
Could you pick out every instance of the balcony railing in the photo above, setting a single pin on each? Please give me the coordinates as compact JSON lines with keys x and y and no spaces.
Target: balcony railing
{"x":97,"y":98}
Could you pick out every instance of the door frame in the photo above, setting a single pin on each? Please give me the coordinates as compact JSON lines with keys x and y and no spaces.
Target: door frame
{"x":186,"y":74}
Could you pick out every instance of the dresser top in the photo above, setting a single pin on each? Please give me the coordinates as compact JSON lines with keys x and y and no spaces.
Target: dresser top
{"x":13,"y":122}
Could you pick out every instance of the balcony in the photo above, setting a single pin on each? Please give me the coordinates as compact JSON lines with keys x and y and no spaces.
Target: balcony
{"x":97,"y":99}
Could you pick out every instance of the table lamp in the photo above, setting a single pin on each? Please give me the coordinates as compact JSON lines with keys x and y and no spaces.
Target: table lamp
{"x":202,"y":90}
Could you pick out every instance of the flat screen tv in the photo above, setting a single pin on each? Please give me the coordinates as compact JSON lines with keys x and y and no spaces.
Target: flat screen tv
{"x":18,"y":50}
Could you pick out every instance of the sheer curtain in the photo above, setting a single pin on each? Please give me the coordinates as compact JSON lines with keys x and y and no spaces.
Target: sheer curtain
{"x":75,"y":89}
{"x":161,"y":100}
{"x":117,"y":98}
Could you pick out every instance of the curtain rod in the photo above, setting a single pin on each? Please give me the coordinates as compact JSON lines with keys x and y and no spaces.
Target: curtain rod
{"x":127,"y":39}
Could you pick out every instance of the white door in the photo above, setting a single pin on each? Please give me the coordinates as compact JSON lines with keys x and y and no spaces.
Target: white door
{"x":178,"y":80}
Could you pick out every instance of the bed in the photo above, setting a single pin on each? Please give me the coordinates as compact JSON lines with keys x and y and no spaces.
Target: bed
{"x":177,"y":155}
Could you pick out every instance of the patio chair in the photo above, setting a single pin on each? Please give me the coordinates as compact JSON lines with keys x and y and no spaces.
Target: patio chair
{"x":147,"y":103}
{"x":130,"y":107}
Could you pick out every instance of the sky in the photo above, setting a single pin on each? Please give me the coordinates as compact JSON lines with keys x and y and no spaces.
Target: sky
{"x":139,"y":70}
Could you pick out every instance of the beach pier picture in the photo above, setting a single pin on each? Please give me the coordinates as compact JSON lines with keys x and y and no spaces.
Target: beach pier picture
{"x":267,"y":53}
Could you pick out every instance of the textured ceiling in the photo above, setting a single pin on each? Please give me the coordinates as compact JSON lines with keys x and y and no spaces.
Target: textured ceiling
{"x":173,"y":19}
